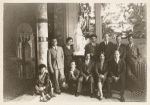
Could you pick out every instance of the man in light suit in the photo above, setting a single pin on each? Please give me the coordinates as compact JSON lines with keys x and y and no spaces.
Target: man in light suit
{"x":56,"y":65}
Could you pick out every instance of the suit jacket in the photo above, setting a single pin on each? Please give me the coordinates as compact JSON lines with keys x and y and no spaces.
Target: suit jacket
{"x":76,"y":74}
{"x":117,"y":70}
{"x":68,"y":54}
{"x":55,"y":58}
{"x":108,"y":50}
{"x":87,"y":70}
{"x":92,"y":49}
{"x":122,"y":50}
{"x":102,"y":71}
{"x":132,"y":53}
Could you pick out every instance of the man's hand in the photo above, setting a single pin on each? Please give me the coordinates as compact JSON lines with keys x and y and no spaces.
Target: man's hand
{"x":101,"y":76}
{"x":87,"y":78}
{"x":92,"y":54}
{"x":115,"y":78}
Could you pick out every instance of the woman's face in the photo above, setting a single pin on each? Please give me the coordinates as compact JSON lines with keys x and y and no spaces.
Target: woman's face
{"x":43,"y":70}
{"x":70,"y":42}
{"x":102,"y":57}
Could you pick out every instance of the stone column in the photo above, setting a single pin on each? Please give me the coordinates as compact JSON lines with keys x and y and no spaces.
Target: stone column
{"x":98,"y":22}
{"x":42,"y":33}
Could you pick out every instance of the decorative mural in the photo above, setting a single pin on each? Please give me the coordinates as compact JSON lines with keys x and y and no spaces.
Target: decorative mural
{"x":87,"y":12}
{"x":124,"y":18}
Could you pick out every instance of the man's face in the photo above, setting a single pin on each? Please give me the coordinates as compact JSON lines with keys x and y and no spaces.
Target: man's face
{"x":106,"y":37}
{"x":93,"y":39}
{"x":54,"y":42}
{"x":88,"y":56}
{"x":116,"y":55}
{"x":102,"y":57}
{"x":130,"y":39}
{"x":118,"y":39}
{"x":73,"y":65}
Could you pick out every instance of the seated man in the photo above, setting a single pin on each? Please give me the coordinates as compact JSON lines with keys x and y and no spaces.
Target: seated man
{"x":87,"y":74}
{"x":74,"y":76}
{"x":116,"y":76}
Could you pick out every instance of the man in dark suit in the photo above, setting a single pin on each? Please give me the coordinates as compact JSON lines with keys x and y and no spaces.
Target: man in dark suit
{"x":133,"y":56}
{"x":116,"y":76}
{"x":56,"y":65}
{"x":92,"y":47}
{"x":87,"y":74}
{"x":121,"y":47}
{"x":107,"y":47}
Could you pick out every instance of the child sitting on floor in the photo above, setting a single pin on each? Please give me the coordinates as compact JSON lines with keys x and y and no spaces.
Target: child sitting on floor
{"x":44,"y":85}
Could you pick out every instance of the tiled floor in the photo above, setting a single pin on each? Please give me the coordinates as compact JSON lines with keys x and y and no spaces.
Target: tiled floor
{"x":66,"y":97}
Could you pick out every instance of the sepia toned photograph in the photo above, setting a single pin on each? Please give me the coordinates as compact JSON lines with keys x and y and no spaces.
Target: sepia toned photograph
{"x":75,"y":52}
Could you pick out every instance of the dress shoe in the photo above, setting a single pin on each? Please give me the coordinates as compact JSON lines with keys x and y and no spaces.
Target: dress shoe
{"x":122,"y":99}
{"x":108,"y":96}
{"x":77,"y":94}
{"x":91,"y":95}
{"x":100,"y":98}
{"x":58,"y":92}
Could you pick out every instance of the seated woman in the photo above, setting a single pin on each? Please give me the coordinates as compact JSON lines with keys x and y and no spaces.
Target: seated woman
{"x":44,"y":85}
{"x":101,"y":72}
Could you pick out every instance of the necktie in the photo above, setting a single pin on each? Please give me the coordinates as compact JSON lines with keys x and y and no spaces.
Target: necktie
{"x":117,"y":46}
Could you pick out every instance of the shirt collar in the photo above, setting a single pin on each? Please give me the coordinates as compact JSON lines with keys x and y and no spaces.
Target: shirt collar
{"x":55,"y":47}
{"x":68,"y":46}
{"x":117,"y":60}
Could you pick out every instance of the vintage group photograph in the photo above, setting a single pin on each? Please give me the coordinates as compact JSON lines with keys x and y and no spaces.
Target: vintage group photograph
{"x":75,"y":52}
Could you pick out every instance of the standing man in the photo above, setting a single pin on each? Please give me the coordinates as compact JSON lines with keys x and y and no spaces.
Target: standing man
{"x":107,"y":47}
{"x":120,"y":47}
{"x":92,"y":47}
{"x":132,"y":58}
{"x":116,"y":75}
{"x":56,"y":65}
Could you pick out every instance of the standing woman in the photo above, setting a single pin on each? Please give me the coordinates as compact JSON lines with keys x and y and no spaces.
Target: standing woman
{"x":68,"y":54}
{"x":101,"y":72}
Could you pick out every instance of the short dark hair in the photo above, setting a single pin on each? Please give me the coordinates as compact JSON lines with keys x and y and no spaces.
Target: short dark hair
{"x":119,"y":35}
{"x":116,"y":50}
{"x":87,"y":53}
{"x":68,"y":39}
{"x":42,"y":66}
{"x":93,"y":35}
{"x":73,"y":61}
{"x":130,"y":35}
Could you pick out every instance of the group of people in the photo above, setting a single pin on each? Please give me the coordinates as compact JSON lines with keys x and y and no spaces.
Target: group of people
{"x":105,"y":65}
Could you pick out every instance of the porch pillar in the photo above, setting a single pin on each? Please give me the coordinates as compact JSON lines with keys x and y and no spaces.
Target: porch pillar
{"x":42,"y":32}
{"x":98,"y":22}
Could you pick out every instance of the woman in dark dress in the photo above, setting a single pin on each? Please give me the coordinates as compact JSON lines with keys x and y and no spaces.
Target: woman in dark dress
{"x":101,"y":72}
{"x":68,"y":54}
